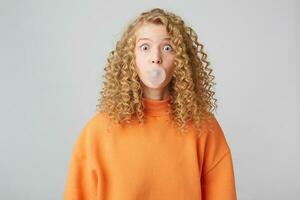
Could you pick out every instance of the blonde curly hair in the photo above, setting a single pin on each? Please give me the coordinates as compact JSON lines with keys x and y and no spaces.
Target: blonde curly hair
{"x":192,"y":97}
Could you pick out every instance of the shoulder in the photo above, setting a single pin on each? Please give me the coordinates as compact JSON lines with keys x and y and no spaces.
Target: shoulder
{"x":97,"y":122}
{"x":213,"y":134}
{"x":94,"y":126}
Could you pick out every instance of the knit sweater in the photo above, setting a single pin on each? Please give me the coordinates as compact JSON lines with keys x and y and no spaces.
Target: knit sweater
{"x":152,"y":161}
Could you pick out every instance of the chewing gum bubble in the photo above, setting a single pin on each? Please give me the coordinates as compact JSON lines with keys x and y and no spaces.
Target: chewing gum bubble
{"x":156,"y":76}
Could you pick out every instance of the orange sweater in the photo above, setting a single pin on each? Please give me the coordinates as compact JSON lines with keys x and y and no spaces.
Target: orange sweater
{"x":150,"y":162}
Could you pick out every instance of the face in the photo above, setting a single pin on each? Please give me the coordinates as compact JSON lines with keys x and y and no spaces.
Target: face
{"x":154,"y":49}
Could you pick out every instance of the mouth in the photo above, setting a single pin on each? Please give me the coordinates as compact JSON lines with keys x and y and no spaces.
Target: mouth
{"x":156,"y":76}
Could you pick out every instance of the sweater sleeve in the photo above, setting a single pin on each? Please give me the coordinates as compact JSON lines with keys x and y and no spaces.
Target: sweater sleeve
{"x":217,"y":180}
{"x":81,"y":180}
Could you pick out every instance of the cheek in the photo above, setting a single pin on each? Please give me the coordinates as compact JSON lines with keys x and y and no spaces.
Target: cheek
{"x":170,"y":66}
{"x":140,"y":65}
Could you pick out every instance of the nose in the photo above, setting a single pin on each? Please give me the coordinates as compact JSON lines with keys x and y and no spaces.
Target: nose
{"x":156,"y":58}
{"x":158,"y":61}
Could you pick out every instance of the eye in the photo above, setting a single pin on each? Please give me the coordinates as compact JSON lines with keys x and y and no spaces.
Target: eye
{"x":168,"y":48}
{"x":144,"y":47}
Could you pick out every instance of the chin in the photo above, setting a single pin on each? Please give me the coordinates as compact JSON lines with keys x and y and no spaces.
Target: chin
{"x":150,"y":86}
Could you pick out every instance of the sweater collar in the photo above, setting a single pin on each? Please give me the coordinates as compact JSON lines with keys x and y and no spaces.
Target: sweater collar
{"x":154,"y":107}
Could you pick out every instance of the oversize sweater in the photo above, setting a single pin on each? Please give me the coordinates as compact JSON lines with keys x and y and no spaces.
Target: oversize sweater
{"x":152,"y":161}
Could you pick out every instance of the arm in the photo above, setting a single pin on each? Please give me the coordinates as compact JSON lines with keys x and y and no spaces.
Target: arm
{"x":217,"y":179}
{"x":81,"y":181}
{"x":218,"y":183}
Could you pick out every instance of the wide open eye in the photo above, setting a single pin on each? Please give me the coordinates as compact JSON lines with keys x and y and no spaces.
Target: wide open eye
{"x":144,"y":47}
{"x":168,"y":48}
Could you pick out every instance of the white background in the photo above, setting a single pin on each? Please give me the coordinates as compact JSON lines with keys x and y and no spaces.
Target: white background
{"x":52,"y":55}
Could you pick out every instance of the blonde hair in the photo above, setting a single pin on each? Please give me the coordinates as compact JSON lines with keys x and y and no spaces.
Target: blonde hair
{"x":192,"y":97}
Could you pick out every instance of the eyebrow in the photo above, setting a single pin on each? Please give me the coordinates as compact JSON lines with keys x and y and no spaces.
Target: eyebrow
{"x":151,"y":40}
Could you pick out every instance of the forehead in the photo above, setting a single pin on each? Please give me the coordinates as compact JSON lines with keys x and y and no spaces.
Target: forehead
{"x":151,"y":31}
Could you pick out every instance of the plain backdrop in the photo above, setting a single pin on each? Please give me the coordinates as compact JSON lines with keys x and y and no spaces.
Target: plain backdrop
{"x":52,"y":55}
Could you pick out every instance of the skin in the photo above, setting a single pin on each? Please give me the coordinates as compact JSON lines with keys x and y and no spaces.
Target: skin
{"x":153,"y":50}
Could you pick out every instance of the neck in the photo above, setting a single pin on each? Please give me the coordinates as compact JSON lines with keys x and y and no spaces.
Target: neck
{"x":155,"y":94}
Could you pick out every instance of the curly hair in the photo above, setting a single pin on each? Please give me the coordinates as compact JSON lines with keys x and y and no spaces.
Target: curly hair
{"x":191,"y":87}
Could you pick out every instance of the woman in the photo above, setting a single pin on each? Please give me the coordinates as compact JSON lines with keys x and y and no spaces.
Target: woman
{"x":155,"y":136}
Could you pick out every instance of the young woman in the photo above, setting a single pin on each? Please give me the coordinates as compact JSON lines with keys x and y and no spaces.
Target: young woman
{"x":155,"y":135}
